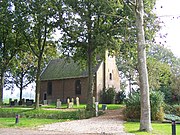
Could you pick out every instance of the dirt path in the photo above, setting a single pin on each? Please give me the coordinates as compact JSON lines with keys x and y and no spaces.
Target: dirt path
{"x":111,"y":123}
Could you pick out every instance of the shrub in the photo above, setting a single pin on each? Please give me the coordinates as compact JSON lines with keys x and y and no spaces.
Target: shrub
{"x":120,"y":96}
{"x":133,"y":106}
{"x":172,"y":109}
{"x":107,"y":96}
{"x":133,"y":109}
{"x":157,"y":101}
{"x":46,"y":114}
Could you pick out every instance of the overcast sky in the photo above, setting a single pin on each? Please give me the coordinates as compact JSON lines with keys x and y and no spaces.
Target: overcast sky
{"x":169,"y":13}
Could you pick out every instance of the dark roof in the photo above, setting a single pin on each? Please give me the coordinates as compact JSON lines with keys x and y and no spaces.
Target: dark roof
{"x":62,"y":69}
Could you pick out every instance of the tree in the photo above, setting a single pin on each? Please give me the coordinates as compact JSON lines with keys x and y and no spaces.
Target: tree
{"x":145,"y":120}
{"x":127,"y":60}
{"x":24,"y":72}
{"x":10,"y":40}
{"x":88,"y":30}
{"x":37,"y":25}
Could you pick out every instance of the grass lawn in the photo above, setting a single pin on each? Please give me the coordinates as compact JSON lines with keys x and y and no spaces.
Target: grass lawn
{"x":158,"y":128}
{"x":26,"y":122}
{"x":83,"y":106}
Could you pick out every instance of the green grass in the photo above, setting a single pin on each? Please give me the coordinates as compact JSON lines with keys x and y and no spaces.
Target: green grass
{"x":158,"y":128}
{"x":83,"y":106}
{"x":26,"y":122}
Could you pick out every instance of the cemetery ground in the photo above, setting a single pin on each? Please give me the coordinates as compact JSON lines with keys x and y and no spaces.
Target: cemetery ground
{"x":48,"y":120}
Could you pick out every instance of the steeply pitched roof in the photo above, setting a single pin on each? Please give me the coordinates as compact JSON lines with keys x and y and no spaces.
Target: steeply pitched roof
{"x":62,"y":69}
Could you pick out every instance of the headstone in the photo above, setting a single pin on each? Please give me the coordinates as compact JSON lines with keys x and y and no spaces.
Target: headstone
{"x":58,"y":104}
{"x":68,"y":100}
{"x":77,"y":101}
{"x":15,"y":102}
{"x":45,"y":102}
{"x":29,"y":102}
{"x":70,"y":105}
{"x":72,"y":100}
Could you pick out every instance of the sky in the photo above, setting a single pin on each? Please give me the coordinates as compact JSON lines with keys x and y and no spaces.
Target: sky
{"x":169,"y":12}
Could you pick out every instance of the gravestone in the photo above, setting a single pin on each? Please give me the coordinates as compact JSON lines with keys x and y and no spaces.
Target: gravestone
{"x":45,"y":102}
{"x":15,"y":102}
{"x":70,"y":105}
{"x":29,"y":102}
{"x":68,"y":100}
{"x":58,"y":104}
{"x":77,"y":101}
{"x":72,"y":100}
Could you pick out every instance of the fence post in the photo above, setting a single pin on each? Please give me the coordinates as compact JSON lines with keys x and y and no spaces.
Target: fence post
{"x":17,"y":118}
{"x":173,"y":127}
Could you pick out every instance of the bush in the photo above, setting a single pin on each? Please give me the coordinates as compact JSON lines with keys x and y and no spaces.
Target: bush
{"x":157,"y":101}
{"x":172,"y":109}
{"x":133,"y":109}
{"x":133,"y":106}
{"x":120,"y":96}
{"x":46,"y":114}
{"x":107,"y":96}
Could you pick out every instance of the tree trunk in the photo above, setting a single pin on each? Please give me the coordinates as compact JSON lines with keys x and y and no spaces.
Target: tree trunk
{"x":90,"y":81}
{"x":38,"y":83}
{"x":145,"y":120}
{"x":1,"y":86}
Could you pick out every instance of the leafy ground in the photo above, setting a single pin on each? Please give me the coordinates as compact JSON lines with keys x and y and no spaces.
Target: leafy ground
{"x":158,"y":128}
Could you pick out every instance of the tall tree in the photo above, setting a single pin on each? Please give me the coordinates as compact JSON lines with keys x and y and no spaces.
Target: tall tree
{"x":24,"y":72}
{"x":89,"y":29}
{"x":145,"y":120}
{"x":9,"y":40}
{"x":37,"y":25}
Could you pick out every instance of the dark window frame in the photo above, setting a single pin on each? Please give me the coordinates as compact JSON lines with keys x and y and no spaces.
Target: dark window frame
{"x":110,"y":76}
{"x":49,"y":88}
{"x":78,"y":87}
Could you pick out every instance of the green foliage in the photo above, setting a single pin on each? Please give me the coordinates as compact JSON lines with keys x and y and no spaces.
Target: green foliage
{"x":172,"y":109}
{"x":133,"y":106}
{"x":46,"y":114}
{"x":107,"y":96}
{"x":133,"y":109}
{"x":157,"y":101}
{"x":120,"y":96}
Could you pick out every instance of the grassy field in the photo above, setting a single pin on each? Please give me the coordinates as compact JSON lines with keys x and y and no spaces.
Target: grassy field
{"x":26,"y":122}
{"x":158,"y":128}
{"x":83,"y":106}
{"x":47,"y":114}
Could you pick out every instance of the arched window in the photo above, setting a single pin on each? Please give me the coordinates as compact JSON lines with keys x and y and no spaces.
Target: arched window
{"x":110,"y":76}
{"x":78,"y":87}
{"x":49,"y":88}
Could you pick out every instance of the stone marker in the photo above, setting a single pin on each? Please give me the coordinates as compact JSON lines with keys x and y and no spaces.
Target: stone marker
{"x":58,"y":104}
{"x":72,"y":100}
{"x":77,"y":101}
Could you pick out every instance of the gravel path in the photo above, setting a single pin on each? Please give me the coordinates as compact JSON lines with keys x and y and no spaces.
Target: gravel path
{"x":110,"y":123}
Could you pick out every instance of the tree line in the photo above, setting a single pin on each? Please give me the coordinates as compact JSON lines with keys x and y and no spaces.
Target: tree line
{"x":34,"y":32}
